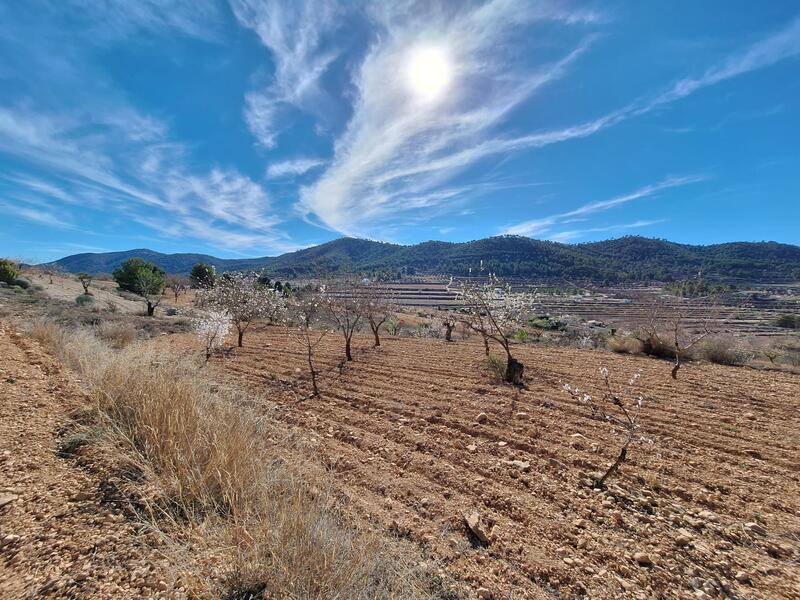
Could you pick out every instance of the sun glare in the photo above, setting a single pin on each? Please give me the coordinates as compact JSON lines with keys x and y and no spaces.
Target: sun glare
{"x":429,"y":73}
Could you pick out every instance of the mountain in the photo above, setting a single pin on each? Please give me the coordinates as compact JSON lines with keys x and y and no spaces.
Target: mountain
{"x":625,"y":259}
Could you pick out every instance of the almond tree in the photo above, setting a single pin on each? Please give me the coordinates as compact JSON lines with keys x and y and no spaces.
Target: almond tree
{"x":304,"y":312}
{"x":679,"y":326}
{"x":494,"y":310}
{"x":621,"y":410}
{"x":211,"y":330}
{"x":346,"y":308}
{"x":240,"y":296}
{"x":178,"y":284}
{"x":377,"y":308}
{"x":448,"y":323}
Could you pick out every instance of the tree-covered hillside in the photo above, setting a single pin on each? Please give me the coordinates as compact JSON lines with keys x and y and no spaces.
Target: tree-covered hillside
{"x":627,"y":259}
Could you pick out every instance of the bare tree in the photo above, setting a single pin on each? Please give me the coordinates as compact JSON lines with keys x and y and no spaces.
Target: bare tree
{"x":85,"y":280}
{"x":377,"y":308}
{"x":448,"y":323}
{"x":304,"y":312}
{"x":346,"y":307}
{"x":675,"y":327}
{"x":494,"y":310}
{"x":619,"y":411}
{"x":178,"y":284}
{"x":244,"y":300}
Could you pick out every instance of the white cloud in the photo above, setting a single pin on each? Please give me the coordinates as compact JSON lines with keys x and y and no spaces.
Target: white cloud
{"x":571,"y":235}
{"x":396,"y":153}
{"x":293,"y":168}
{"x":295,"y":33}
{"x":544,"y":225}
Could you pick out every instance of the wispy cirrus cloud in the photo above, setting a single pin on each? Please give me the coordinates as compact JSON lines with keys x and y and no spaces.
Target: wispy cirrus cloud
{"x":293,"y":167}
{"x":392,"y":151}
{"x":575,"y":234}
{"x":544,"y":225}
{"x":296,"y":35}
{"x":396,"y":153}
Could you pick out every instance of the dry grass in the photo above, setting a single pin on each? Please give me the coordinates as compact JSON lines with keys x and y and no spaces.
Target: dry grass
{"x":118,"y":334}
{"x":724,"y":351}
{"x":624,"y":344}
{"x":233,"y":479}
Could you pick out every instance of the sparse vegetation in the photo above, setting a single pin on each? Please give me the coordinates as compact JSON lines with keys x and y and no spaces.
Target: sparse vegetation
{"x":788,"y":321}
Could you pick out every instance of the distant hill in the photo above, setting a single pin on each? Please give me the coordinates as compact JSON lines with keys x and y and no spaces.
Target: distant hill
{"x":626,"y":259}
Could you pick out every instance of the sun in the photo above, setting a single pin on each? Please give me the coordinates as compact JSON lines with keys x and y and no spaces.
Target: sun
{"x":429,"y":73}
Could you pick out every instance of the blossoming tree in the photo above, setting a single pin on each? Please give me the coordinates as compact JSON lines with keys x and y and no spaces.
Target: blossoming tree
{"x":245,"y":301}
{"x":494,"y":310}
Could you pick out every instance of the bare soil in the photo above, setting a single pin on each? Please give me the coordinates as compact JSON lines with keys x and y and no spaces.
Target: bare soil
{"x":708,"y":506}
{"x":60,"y":535}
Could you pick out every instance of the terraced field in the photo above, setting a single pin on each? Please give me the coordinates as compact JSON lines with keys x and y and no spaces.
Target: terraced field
{"x":708,"y":504}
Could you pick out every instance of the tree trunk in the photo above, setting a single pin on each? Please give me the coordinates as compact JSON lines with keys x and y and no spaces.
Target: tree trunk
{"x":448,"y":333}
{"x":677,"y":366}
{"x":347,"y":354}
{"x":514,"y":370}
{"x":313,"y":373}
{"x":600,"y":483}
{"x":375,"y":333}
{"x":241,"y":335}
{"x":151,"y":309}
{"x":486,"y":344}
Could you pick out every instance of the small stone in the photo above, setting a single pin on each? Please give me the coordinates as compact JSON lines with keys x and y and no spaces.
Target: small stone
{"x":502,"y":444}
{"x":472,"y":448}
{"x":643,"y":559}
{"x":6,"y":499}
{"x":521,"y":415}
{"x":580,"y":523}
{"x":755,"y":528}
{"x":482,"y":418}
{"x":743,"y":577}
{"x":684,"y":538}
{"x":477,"y":526}
{"x":484,"y":594}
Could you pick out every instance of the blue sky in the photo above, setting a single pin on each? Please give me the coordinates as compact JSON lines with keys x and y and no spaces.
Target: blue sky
{"x":255,"y":127}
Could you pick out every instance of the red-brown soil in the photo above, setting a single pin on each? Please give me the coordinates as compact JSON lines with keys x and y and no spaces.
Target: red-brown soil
{"x":712,"y":499}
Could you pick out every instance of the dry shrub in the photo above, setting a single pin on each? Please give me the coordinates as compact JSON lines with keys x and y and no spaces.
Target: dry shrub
{"x":652,"y":345}
{"x":624,"y":344}
{"x":117,"y":334}
{"x":268,"y":513}
{"x":723,"y":351}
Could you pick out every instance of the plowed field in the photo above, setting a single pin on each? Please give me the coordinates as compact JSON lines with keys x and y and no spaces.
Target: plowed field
{"x":711,"y":500}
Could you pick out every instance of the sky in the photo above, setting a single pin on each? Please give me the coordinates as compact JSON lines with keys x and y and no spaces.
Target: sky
{"x":256,"y":127}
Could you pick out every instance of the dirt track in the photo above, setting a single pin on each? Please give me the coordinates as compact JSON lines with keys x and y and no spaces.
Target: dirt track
{"x":712,"y":499}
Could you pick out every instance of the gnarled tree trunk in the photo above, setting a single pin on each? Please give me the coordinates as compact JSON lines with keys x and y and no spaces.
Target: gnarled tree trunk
{"x":514,"y":371}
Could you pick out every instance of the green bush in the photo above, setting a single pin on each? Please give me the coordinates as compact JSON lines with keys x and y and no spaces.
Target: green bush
{"x":548,"y":324}
{"x":9,"y":271}
{"x":521,"y":336}
{"x":788,"y":321}
{"x":203,"y":276}
{"x":84,"y":300}
{"x":22,"y":282}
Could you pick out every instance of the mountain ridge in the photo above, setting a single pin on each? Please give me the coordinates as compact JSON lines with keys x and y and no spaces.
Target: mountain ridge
{"x":625,"y":259}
